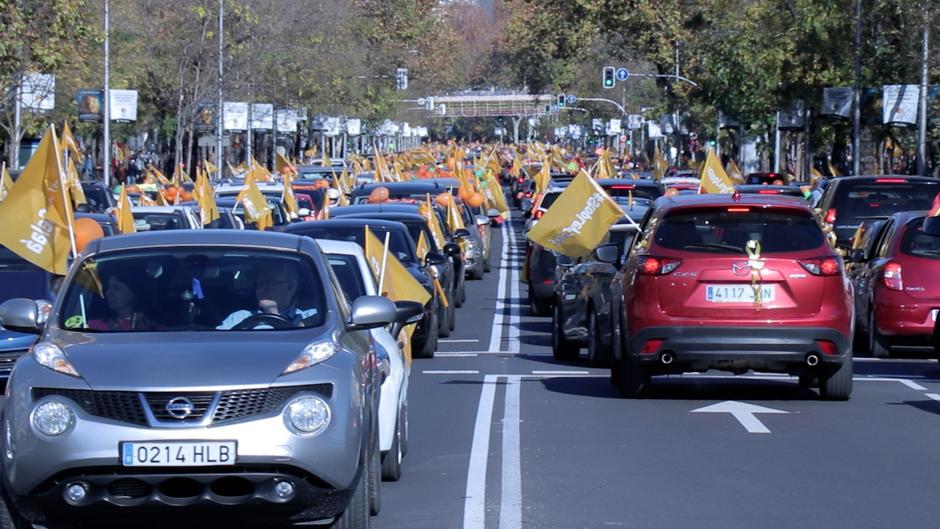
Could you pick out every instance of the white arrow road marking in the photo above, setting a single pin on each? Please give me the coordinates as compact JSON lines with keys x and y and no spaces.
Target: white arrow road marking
{"x":743,"y":412}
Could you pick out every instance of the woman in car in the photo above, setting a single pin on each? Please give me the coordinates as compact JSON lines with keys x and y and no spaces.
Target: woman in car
{"x":123,"y":304}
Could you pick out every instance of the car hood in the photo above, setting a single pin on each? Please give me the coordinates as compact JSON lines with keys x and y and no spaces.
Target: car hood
{"x":183,"y":360}
{"x":15,"y":341}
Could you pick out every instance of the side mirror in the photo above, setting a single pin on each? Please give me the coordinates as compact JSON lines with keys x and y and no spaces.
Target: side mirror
{"x":462,"y":233}
{"x":452,"y":249}
{"x":856,"y":255}
{"x":564,"y":261}
{"x":370,"y":312}
{"x":21,"y":315}
{"x":481,"y":220}
{"x":303,"y":212}
{"x":608,"y":253}
{"x":406,"y":313}
{"x":436,"y":258}
{"x":932,"y":226}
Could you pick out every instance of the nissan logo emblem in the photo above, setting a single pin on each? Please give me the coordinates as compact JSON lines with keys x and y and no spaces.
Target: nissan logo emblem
{"x":180,"y":407}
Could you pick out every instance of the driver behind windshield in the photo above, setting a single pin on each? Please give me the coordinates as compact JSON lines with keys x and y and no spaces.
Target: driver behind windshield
{"x":276,"y":292}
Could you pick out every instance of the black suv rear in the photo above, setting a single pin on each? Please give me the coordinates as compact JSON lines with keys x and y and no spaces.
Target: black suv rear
{"x":850,"y":201}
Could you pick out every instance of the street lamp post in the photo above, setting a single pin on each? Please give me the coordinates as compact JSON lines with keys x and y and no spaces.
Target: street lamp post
{"x":218,"y":132}
{"x":857,"y":93}
{"x":106,"y":161}
{"x":924,"y":85}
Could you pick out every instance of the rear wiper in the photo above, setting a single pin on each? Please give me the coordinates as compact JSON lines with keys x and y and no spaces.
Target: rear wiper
{"x":716,"y":246}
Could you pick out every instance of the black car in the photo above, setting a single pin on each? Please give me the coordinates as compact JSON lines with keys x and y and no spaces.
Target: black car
{"x":759,"y":189}
{"x":416,"y":223}
{"x":412,"y":189}
{"x":850,"y":201}
{"x":402,"y":246}
{"x":98,"y":197}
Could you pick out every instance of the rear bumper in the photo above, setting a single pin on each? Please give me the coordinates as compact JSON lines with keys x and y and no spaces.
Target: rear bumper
{"x":907,"y":320}
{"x":782,"y":349}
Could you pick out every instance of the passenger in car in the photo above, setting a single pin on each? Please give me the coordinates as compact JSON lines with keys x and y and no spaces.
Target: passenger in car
{"x":123,"y":304}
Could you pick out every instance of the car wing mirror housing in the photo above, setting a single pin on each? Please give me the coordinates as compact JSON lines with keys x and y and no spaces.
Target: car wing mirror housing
{"x":608,"y":253}
{"x":23,"y":315}
{"x":406,"y":313}
{"x":370,"y":312}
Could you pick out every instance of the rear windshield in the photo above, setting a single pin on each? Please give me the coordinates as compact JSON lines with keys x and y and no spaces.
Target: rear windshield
{"x":919,"y":244}
{"x":881,"y":200}
{"x":548,"y":200}
{"x":723,"y":231}
{"x":400,"y":243}
{"x":158,"y":221}
{"x":624,"y":191}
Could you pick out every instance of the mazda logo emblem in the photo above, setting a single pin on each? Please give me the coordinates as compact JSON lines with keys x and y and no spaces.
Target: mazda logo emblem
{"x":180,"y":407}
{"x":741,"y":269}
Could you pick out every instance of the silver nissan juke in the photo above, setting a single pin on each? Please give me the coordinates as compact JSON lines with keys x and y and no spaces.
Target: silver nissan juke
{"x":207,"y":377}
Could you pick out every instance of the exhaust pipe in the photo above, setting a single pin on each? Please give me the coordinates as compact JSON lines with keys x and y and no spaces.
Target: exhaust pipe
{"x":812,"y":360}
{"x":666,"y":358}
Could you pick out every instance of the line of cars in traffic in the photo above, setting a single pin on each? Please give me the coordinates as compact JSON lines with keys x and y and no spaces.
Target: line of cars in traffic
{"x":226,"y":377}
{"x":758,"y":280}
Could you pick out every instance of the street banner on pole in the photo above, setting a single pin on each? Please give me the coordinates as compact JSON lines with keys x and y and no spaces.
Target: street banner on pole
{"x":837,"y":101}
{"x":123,"y":105}
{"x":235,"y":116}
{"x":262,"y":116}
{"x":90,"y":105}
{"x":900,"y":104}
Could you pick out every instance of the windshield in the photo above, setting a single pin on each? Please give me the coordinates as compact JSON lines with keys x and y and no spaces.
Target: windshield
{"x":919,"y":244}
{"x":400,"y":243}
{"x":723,"y":231}
{"x":159,"y":221}
{"x":881,"y":200}
{"x":625,"y":191}
{"x":193,"y":289}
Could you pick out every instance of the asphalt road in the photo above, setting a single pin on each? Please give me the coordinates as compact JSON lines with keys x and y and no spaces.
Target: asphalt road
{"x":504,"y":437}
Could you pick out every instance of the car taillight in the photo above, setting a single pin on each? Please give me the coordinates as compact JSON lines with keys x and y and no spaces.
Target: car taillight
{"x":651,"y":346}
{"x":827,"y":347}
{"x":831,"y":216}
{"x":827,"y":266}
{"x":656,"y":266}
{"x":890,"y":180}
{"x":892,"y":276}
{"x":770,"y":192}
{"x":538,"y":214}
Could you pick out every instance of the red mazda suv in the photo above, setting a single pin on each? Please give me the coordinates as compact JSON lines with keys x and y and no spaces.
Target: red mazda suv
{"x":734,"y":283}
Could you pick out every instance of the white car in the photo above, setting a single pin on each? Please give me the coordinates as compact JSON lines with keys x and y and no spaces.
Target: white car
{"x":154,"y":218}
{"x":351,"y":268}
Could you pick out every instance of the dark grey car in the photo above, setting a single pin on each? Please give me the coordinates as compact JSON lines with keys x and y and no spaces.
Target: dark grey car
{"x":200,"y":375}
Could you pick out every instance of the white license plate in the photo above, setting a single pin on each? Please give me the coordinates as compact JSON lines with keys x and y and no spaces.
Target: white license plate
{"x":738,"y":293}
{"x":178,"y":453}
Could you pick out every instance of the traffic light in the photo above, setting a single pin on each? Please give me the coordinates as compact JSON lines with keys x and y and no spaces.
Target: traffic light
{"x":609,"y":77}
{"x":561,"y":100}
{"x":500,"y":119}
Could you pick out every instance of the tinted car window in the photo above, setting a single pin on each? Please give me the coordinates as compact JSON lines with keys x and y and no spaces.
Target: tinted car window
{"x":190,"y":289}
{"x":858,"y":201}
{"x":720,"y":230}
{"x":400,"y":244}
{"x":548,"y":200}
{"x":346,"y":269}
{"x":919,"y":244}
{"x":158,"y":221}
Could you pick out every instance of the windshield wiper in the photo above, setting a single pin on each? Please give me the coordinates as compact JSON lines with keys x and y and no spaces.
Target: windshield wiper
{"x":716,"y":246}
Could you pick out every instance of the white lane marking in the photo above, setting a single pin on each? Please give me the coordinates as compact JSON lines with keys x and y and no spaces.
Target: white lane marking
{"x":474,"y":507}
{"x":934,"y":396}
{"x":510,"y":504}
{"x":505,"y":261}
{"x":911,"y":384}
{"x":743,"y":412}
{"x":514,"y":320}
{"x":458,"y":355}
{"x":453,"y":340}
{"x":568,"y":372}
{"x":472,"y":352}
{"x":450,"y":372}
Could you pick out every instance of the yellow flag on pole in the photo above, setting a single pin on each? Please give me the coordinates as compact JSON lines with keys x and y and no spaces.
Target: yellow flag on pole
{"x":578,"y":220}
{"x":282,"y":165}
{"x":288,"y":198}
{"x":205,"y":197}
{"x":68,"y":141}
{"x":660,"y":165}
{"x":6,"y":182}
{"x":35,"y":215}
{"x":256,"y":206}
{"x":75,"y":184}
{"x":399,"y":284}
{"x":430,"y":215}
{"x":713,"y":176}
{"x":210,"y":167}
{"x":125,"y":219}
{"x":422,"y":246}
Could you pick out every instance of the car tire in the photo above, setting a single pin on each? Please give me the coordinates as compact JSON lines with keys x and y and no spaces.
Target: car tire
{"x":487,"y":267}
{"x":356,"y":515}
{"x":460,"y":293}
{"x":879,"y":345}
{"x":598,"y":355}
{"x":538,"y":308}
{"x":403,"y":417}
{"x":375,"y":478}
{"x":430,"y":345}
{"x":562,"y":348}
{"x":837,"y":385}
{"x":391,"y":461}
{"x":443,"y":319}
{"x":634,"y":380}
{"x":452,"y":316}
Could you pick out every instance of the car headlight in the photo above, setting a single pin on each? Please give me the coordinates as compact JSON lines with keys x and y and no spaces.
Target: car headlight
{"x":52,"y":417}
{"x":307,"y":415}
{"x":49,"y":355}
{"x":312,"y":355}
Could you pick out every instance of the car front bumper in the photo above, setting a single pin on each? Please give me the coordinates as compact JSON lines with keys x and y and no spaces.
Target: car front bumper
{"x":778,"y":349}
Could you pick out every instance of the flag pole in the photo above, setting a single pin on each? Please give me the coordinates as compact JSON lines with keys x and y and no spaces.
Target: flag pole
{"x":69,"y":216}
{"x":384,"y":262}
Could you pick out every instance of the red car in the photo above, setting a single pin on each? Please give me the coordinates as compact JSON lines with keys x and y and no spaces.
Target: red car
{"x":897,"y":295}
{"x":733,"y":283}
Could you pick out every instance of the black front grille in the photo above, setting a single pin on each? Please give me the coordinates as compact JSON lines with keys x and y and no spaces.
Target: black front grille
{"x":243,"y":403}
{"x":127,"y":406}
{"x":200,"y":405}
{"x":7,"y":359}
{"x":124,"y":406}
{"x":129,"y":488}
